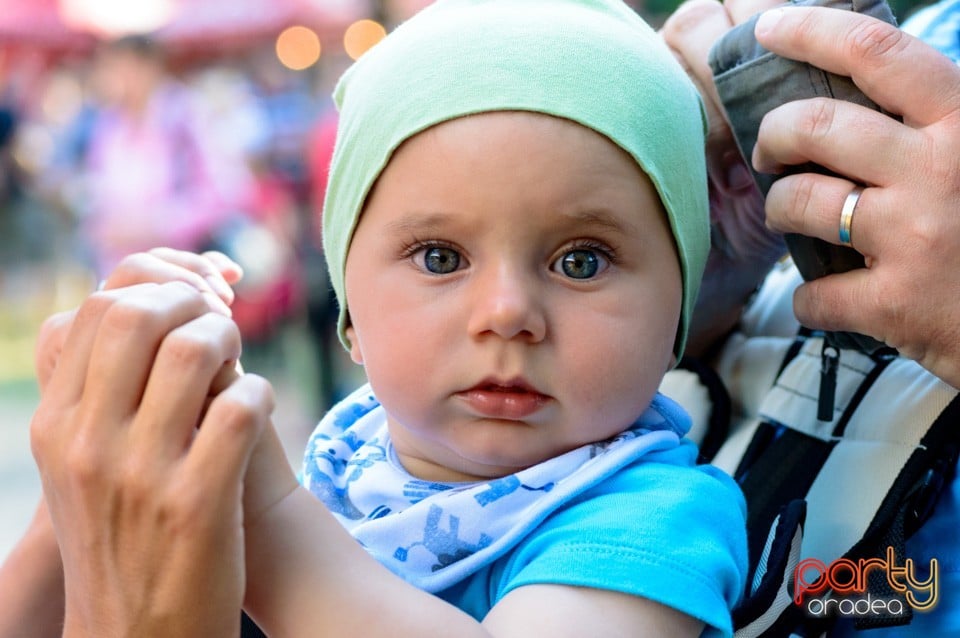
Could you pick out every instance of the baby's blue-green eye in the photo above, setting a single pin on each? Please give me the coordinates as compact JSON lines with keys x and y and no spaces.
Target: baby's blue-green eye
{"x":440,"y":260}
{"x":580,"y":264}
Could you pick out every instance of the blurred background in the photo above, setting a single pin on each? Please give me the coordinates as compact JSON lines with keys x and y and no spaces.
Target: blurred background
{"x":188,"y":123}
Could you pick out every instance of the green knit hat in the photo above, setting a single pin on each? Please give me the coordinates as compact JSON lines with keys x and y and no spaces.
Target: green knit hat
{"x":594,"y":62}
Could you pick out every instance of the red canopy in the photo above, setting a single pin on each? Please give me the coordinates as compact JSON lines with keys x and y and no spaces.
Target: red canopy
{"x":201,"y":24}
{"x":38,"y":22}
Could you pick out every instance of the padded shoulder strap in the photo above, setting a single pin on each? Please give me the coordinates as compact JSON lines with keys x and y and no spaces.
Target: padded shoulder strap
{"x":862,"y":474}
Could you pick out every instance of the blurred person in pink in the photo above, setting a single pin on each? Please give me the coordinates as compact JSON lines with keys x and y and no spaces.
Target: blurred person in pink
{"x":150,"y":175}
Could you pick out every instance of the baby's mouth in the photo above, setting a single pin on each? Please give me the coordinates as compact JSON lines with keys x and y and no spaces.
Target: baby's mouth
{"x":511,"y":400}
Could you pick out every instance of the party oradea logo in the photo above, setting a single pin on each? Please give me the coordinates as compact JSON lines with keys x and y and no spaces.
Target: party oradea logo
{"x":843,"y":589}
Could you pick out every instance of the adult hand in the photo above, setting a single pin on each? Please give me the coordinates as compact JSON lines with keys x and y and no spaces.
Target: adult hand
{"x":212,"y":274}
{"x":143,"y":436}
{"x":32,"y":574}
{"x":906,"y":222}
{"x":743,"y":248}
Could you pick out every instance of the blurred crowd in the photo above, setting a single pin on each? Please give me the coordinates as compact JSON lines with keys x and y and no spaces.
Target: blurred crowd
{"x":127,"y":148}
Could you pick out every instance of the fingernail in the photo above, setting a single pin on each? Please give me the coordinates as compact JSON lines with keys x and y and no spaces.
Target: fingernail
{"x":767,"y":22}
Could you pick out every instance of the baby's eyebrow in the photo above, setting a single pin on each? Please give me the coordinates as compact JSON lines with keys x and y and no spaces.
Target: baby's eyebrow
{"x":426,"y":223}
{"x":599,"y":219}
{"x":420,"y":223}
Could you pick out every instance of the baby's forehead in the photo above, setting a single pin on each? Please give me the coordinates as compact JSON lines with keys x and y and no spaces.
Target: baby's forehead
{"x":525,"y":132}
{"x":541,"y":168}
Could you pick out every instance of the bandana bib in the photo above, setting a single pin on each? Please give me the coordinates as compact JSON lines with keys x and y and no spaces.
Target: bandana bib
{"x":435,"y":534}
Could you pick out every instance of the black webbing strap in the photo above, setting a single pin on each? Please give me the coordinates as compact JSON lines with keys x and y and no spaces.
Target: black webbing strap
{"x":718,"y":425}
{"x":783,"y":473}
{"x":750,"y":616}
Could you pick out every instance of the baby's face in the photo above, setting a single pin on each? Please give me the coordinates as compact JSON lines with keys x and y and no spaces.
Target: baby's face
{"x":514,"y":293}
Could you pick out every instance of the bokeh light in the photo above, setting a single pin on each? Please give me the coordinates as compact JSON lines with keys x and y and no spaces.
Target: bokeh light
{"x":298,"y":48}
{"x":361,"y":35}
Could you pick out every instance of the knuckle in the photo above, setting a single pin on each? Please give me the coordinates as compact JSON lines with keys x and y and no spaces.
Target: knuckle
{"x":42,"y":434}
{"x":876,"y":43}
{"x":135,"y":477}
{"x":818,"y":305}
{"x":190,"y":349}
{"x":85,"y":465}
{"x":818,"y":118}
{"x":94,"y":306}
{"x":237,"y":414}
{"x":801,"y":206}
{"x":263,"y":389}
{"x":54,"y":324}
{"x":928,"y":236}
{"x":240,"y":410}
{"x":805,"y":28}
{"x":131,"y":312}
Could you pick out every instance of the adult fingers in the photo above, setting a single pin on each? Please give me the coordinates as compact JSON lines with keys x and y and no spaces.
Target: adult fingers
{"x":845,"y":301}
{"x":229,"y":432}
{"x":843,"y":137}
{"x":742,"y":10}
{"x":690,"y":32}
{"x":127,"y":341}
{"x":53,"y":334}
{"x":69,"y":375}
{"x":882,"y":60}
{"x":811,"y":204}
{"x":189,"y":359}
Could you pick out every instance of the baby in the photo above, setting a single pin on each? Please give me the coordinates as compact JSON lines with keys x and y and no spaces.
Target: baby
{"x":515,"y":225}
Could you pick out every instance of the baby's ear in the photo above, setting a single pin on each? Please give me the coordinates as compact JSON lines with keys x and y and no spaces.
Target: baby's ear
{"x":355,"y":353}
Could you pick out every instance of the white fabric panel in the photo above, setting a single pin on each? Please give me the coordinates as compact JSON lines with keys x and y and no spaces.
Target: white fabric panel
{"x":882,"y":434}
{"x":793,"y":400}
{"x":684,"y":387}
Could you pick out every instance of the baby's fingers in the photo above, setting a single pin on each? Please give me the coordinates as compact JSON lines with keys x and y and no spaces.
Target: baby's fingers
{"x":208,"y":273}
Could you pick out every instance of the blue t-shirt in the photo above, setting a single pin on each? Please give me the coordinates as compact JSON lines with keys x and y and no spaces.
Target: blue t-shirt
{"x":662,"y":528}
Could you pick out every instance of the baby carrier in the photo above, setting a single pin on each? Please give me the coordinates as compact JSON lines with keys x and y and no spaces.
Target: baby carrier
{"x":851,"y":486}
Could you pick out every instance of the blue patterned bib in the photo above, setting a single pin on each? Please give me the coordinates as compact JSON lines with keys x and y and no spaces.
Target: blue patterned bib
{"x":435,"y":534}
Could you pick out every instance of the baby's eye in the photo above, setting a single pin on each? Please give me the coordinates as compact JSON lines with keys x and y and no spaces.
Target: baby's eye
{"x":581,"y":263}
{"x":439,"y":260}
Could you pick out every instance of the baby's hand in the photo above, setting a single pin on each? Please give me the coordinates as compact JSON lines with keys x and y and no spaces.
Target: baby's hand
{"x":212,"y":273}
